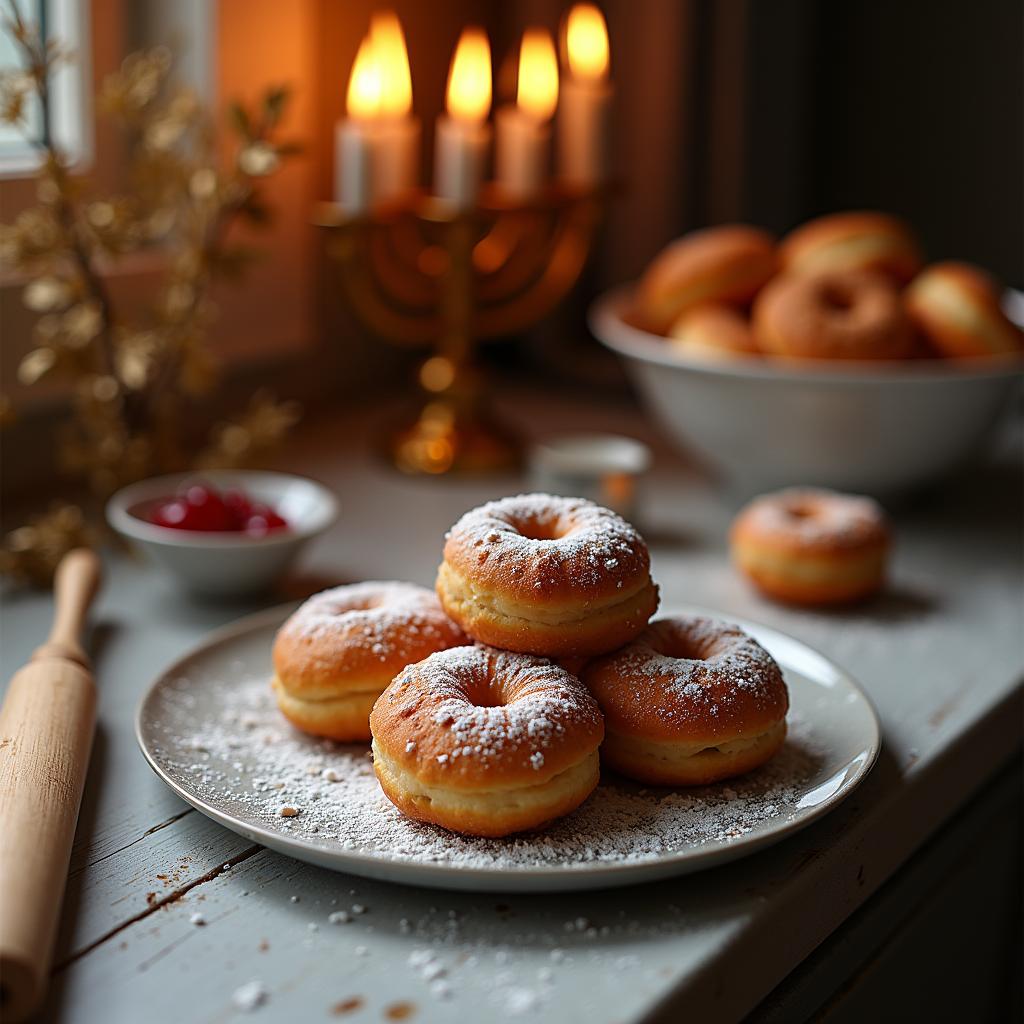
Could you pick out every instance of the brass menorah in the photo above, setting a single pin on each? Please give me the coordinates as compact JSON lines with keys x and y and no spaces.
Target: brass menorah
{"x":420,"y":273}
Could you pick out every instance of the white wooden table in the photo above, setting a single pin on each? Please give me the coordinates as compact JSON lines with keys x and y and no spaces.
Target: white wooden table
{"x":941,"y":655}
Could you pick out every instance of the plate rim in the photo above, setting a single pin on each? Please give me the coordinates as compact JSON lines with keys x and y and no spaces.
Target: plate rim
{"x":441,"y":875}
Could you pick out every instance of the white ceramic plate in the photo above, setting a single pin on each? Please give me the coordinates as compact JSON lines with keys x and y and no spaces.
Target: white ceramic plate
{"x":209,"y":728}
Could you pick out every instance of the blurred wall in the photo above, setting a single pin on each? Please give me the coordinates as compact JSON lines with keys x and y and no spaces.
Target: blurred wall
{"x":915,"y":107}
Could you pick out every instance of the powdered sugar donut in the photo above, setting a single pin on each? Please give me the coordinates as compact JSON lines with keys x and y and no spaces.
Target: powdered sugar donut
{"x":812,"y":546}
{"x":544,"y":575}
{"x":690,"y":701}
{"x":486,"y":742}
{"x":336,"y":654}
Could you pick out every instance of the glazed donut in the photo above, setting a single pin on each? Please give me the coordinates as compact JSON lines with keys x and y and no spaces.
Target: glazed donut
{"x":810,"y":546}
{"x":712,"y":332}
{"x":956,"y":307}
{"x":341,"y":648}
{"x":855,"y":315}
{"x":852,"y":241}
{"x":544,"y":575}
{"x":727,"y":264}
{"x":486,"y":742}
{"x":690,"y":701}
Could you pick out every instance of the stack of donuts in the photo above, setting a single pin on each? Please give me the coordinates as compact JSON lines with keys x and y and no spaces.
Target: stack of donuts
{"x":491,"y":703}
{"x":850,"y":286}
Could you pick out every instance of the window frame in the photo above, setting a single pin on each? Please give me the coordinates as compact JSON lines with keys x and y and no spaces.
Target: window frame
{"x":71,"y":105}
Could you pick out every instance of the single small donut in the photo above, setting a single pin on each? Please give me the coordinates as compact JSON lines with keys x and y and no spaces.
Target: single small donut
{"x":341,"y":648}
{"x":811,"y":546}
{"x":690,"y":701}
{"x":858,"y":240}
{"x":727,"y":264}
{"x":956,"y":307}
{"x":713,"y":332}
{"x":544,"y":575}
{"x":486,"y":742}
{"x":853,"y":315}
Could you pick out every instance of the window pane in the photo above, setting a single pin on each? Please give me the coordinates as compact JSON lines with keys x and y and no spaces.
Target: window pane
{"x":13,"y":142}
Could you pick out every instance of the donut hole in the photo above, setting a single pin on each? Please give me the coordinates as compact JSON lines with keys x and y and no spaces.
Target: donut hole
{"x":485,"y":696}
{"x":837,"y":297}
{"x":684,"y":648}
{"x":365,"y":604}
{"x":539,"y":529}
{"x":799,"y":510}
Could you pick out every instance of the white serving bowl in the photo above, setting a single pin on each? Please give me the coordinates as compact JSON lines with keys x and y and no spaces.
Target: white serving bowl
{"x":873,"y":428}
{"x":222,"y":564}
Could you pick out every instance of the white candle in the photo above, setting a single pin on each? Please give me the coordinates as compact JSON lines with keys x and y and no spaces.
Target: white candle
{"x":463,"y":135}
{"x":584,"y":159}
{"x":397,"y":155}
{"x":353,"y":162}
{"x":356,"y":135}
{"x":524,"y":136}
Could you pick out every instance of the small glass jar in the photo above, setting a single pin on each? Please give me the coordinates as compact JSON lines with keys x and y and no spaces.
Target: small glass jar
{"x":602,"y":467}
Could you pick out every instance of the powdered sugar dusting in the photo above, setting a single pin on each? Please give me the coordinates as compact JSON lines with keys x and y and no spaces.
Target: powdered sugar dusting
{"x":550,"y":540}
{"x":484,"y":706}
{"x":374,"y":616}
{"x":815,"y":516}
{"x":251,"y":771}
{"x":689,"y":669}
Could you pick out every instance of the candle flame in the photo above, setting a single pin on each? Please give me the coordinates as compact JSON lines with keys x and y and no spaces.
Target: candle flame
{"x":538,"y":74}
{"x":392,"y":61}
{"x":586,"y":38}
{"x":469,"y":80}
{"x":364,"y":83}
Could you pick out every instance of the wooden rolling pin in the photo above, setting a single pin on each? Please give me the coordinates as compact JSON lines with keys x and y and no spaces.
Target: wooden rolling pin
{"x":46,"y":729}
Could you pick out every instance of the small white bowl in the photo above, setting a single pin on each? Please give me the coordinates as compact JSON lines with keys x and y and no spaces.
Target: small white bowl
{"x":222,"y":563}
{"x":875,"y":428}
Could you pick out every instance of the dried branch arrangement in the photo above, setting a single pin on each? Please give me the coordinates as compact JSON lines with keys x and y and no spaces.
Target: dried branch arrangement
{"x":134,"y":376}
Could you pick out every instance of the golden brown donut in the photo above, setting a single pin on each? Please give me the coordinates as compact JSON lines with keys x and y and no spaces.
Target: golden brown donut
{"x":712,"y":332}
{"x":956,"y":307}
{"x":545,"y":575}
{"x":690,"y":701}
{"x":811,"y":546}
{"x":858,"y":240}
{"x":341,"y":648}
{"x":486,"y":742}
{"x":727,"y":264}
{"x":853,"y":315}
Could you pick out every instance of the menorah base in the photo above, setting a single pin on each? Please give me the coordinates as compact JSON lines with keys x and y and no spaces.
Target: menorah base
{"x":448,"y":438}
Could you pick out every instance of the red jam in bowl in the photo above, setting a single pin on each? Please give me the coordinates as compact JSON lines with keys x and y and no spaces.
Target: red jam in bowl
{"x":200,"y":507}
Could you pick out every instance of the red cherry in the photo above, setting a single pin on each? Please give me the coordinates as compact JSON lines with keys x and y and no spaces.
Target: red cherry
{"x":202,"y":508}
{"x":263,"y":520}
{"x":171,"y":514}
{"x":239,"y":508}
{"x":206,"y":510}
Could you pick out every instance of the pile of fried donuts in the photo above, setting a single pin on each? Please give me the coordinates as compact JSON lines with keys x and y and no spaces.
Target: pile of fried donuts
{"x":847,"y":286}
{"x":491,"y":704}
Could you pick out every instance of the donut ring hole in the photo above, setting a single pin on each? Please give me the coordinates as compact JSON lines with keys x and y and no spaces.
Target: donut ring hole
{"x":836,"y":297}
{"x":541,"y":527}
{"x":800,"y":510}
{"x":685,"y":648}
{"x":362,"y":604}
{"x":486,"y":694}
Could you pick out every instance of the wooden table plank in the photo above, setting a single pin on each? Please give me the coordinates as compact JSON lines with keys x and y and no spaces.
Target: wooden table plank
{"x":940,"y":655}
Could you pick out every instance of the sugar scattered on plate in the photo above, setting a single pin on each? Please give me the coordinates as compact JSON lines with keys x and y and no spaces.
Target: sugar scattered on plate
{"x":342,"y":809}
